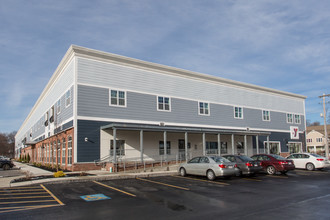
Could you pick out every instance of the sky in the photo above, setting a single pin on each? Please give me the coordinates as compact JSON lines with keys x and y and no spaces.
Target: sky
{"x":280,"y":44}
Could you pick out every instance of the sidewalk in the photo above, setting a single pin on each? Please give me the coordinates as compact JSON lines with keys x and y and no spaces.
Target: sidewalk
{"x":97,"y":175}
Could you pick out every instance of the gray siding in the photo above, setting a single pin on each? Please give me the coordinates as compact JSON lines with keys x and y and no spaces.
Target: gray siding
{"x":129,"y":78}
{"x":94,"y":102}
{"x":59,"y":88}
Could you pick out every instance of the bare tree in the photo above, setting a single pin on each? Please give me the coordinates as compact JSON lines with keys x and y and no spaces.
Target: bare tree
{"x":7,"y":144}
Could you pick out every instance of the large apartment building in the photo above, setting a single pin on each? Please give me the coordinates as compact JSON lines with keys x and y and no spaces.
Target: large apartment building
{"x":100,"y":106}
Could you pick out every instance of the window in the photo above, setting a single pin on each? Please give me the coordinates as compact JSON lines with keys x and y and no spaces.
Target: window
{"x":63,"y":151}
{"x":224,"y":149}
{"x":58,"y":151}
{"x":203,"y":108}
{"x":211,"y":147}
{"x":67,"y":98}
{"x":161,"y":147}
{"x":309,"y":140}
{"x":164,"y":103}
{"x":117,"y":98}
{"x":51,"y":119}
{"x":46,"y":119}
{"x":58,"y":106}
{"x":69,"y":150}
{"x":319,"y":140}
{"x":289,"y":118}
{"x":120,"y":147}
{"x":297,"y":119}
{"x":265,"y":115}
{"x":294,"y":147}
{"x":240,"y":147}
{"x":238,"y":112}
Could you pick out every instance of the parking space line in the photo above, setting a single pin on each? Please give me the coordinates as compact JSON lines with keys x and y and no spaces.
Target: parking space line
{"x":22,"y":208}
{"x":17,"y":202}
{"x":215,"y":182}
{"x":283,"y":177}
{"x":178,"y":187}
{"x":24,"y":190}
{"x":50,"y":193}
{"x":26,"y":197}
{"x":9,"y":194}
{"x":252,"y":179}
{"x":127,"y":193}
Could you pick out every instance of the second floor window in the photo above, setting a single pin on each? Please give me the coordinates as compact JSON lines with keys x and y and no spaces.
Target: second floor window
{"x":67,"y":98}
{"x":203,"y":108}
{"x":117,"y":98}
{"x":238,"y":112}
{"x":265,"y":115}
{"x":289,"y":118}
{"x":164,"y":103}
{"x":297,"y":119}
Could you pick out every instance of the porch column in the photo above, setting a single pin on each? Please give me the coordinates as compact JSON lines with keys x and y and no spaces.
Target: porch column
{"x":141,"y":145}
{"x":245,"y":146}
{"x":268,"y":147}
{"x":186,"y":145}
{"x":165,"y":145}
{"x":114,"y":145}
{"x":257,"y":143}
{"x":232,"y":144}
{"x":219,"y":144}
{"x":204,"y":144}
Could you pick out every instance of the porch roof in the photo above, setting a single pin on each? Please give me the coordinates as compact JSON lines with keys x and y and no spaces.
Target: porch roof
{"x":160,"y":127}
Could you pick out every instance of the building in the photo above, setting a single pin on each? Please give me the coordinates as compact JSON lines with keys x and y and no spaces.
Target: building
{"x":154,"y":112}
{"x":315,"y":139}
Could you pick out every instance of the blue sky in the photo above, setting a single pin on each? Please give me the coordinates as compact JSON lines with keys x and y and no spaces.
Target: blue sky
{"x":278,"y":44}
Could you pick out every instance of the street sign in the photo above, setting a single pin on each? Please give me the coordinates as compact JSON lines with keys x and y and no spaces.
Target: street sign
{"x":95,"y":197}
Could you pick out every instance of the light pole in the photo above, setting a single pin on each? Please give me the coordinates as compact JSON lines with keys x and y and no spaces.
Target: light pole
{"x":325,"y":126}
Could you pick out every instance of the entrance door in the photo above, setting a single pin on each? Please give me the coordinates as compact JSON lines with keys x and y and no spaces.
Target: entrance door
{"x":294,"y":147}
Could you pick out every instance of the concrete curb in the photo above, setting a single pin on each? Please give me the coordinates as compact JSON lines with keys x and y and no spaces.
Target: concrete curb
{"x":94,"y":178}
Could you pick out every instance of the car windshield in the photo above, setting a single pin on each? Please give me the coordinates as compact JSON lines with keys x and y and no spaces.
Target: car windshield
{"x":218,"y":159}
{"x":316,"y":155}
{"x":278,"y":157}
{"x":245,"y":158}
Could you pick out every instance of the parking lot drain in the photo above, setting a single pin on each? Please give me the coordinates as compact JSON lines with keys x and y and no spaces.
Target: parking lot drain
{"x":95,"y":197}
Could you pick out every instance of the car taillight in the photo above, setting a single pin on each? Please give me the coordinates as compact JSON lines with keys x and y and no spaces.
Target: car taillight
{"x":235,"y":165}
{"x":320,"y":159}
{"x":283,"y":162}
{"x":222,"y":166}
{"x":249,"y":164}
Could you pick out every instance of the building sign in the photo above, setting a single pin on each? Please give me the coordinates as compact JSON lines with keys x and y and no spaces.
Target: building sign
{"x":294,"y":132}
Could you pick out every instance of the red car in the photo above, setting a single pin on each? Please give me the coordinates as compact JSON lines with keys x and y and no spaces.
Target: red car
{"x":273,"y":163}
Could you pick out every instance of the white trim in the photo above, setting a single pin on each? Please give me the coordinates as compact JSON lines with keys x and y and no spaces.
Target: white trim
{"x":75,"y":113}
{"x":209,"y":108}
{"x":117,"y":105}
{"x":286,"y":115}
{"x":183,"y":98}
{"x":294,"y":119}
{"x":234,"y":108}
{"x":169,"y":102}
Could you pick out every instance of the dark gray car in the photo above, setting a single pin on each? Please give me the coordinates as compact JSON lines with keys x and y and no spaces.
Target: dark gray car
{"x":245,"y":164}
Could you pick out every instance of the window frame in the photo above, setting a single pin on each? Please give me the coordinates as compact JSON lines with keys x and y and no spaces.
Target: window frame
{"x":208,"y":108}
{"x":164,"y":104}
{"x":297,"y":119}
{"x":242,"y":112}
{"x":68,"y":98}
{"x":266,"y":117}
{"x":118,"y":98}
{"x":287,"y":118}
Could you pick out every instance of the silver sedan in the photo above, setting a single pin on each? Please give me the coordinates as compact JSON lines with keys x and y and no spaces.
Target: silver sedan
{"x":209,"y":166}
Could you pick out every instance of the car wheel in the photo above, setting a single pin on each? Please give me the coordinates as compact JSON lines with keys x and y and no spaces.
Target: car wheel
{"x":6,"y":167}
{"x":271,"y":170}
{"x":310,"y":166}
{"x":183,"y":171}
{"x":210,"y":175}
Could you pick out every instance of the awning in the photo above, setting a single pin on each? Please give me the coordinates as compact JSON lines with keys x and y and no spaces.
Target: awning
{"x":163,"y":127}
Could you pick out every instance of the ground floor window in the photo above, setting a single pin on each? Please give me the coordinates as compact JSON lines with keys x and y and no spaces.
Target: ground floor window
{"x":211,"y":147}
{"x":294,"y":147}
{"x":161,"y":147}
{"x":63,"y":151}
{"x":58,"y":151}
{"x":120,"y":147}
{"x":274,"y":147}
{"x":224,"y":148}
{"x":69,"y":150}
{"x":240,"y":147}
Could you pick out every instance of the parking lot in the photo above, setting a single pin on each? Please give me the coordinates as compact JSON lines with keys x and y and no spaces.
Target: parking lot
{"x":299,"y":194}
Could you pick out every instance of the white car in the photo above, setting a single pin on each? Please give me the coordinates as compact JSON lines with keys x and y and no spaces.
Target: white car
{"x":309,"y":161}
